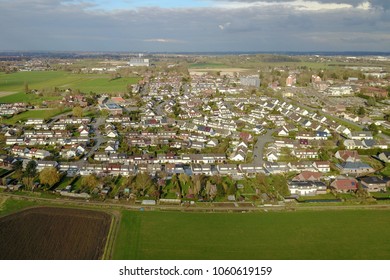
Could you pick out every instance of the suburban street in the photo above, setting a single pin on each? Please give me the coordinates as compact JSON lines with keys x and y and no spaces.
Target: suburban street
{"x":99,"y":139}
{"x":258,"y":149}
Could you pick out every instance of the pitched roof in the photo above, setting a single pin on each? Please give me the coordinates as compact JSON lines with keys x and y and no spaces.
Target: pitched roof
{"x":345,"y":184}
{"x":308,"y":176}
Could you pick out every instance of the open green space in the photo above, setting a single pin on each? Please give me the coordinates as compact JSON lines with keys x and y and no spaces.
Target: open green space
{"x":8,"y":206}
{"x":97,"y":83}
{"x":45,"y":114}
{"x":28,"y":98}
{"x":351,"y":234}
{"x":202,"y":65}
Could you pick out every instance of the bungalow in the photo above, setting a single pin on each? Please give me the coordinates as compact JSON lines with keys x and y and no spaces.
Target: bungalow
{"x":361,"y":135}
{"x":344,"y":185}
{"x":355,"y":168}
{"x":306,"y":188}
{"x":353,"y":144}
{"x":308,"y":176}
{"x":374,"y":184}
{"x":347,"y":155}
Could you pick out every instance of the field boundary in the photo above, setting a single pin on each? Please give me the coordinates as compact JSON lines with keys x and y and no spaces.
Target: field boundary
{"x":111,"y":236}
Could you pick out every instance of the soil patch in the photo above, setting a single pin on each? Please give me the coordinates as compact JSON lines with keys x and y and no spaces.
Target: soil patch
{"x":47,"y":233}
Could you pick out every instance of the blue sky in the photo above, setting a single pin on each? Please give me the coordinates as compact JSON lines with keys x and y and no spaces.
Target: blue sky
{"x":195,"y":25}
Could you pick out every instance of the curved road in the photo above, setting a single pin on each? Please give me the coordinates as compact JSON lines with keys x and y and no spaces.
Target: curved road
{"x":258,"y":149}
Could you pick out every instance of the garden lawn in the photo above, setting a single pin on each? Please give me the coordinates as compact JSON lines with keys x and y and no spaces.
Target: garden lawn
{"x":323,"y":235}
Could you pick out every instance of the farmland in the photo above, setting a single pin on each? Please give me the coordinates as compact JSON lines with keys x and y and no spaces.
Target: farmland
{"x":97,"y":83}
{"x":306,"y":234}
{"x":37,"y":233}
{"x":352,"y":234}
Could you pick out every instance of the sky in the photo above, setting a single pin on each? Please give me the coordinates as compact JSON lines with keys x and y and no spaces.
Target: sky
{"x":195,"y":25}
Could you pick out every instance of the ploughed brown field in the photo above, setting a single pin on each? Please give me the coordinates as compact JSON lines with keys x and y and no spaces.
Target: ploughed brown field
{"x":47,"y":233}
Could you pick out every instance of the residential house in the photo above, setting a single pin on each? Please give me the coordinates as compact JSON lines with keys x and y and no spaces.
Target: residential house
{"x":250,"y":169}
{"x":275,"y":167}
{"x":272,"y":156}
{"x":353,"y":144}
{"x":227,"y":169}
{"x":41,"y":164}
{"x":308,"y":176}
{"x":347,"y":155}
{"x":322,"y":166}
{"x":282,"y":132}
{"x":361,"y":135}
{"x":305,"y":153}
{"x":355,"y":168}
{"x":37,"y":154}
{"x":374,"y":184}
{"x":344,"y":185}
{"x":201,"y":169}
{"x":301,"y":166}
{"x":306,"y":188}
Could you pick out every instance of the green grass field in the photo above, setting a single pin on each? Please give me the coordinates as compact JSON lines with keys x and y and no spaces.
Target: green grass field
{"x":8,"y":206}
{"x":359,"y":234}
{"x":27,"y":98}
{"x":45,"y":114}
{"x":200,"y":65}
{"x":98,"y":83}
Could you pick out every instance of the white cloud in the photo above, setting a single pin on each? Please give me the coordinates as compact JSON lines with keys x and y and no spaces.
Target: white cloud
{"x":161,"y":40}
{"x":225,"y":25}
{"x":50,"y":25}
